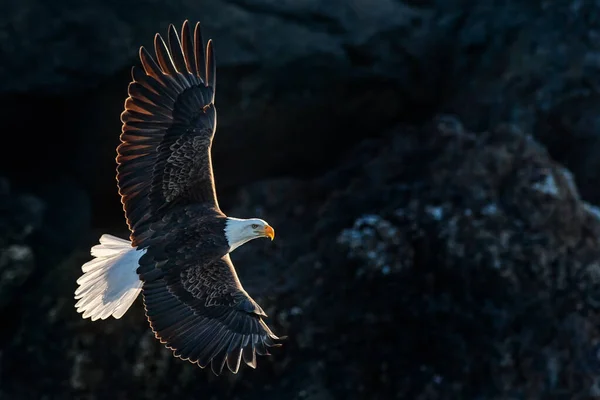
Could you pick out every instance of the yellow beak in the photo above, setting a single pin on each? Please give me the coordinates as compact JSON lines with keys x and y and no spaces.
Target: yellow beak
{"x":269,"y":232}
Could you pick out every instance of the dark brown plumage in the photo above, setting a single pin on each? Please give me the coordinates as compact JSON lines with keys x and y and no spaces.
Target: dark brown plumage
{"x":168,"y":126}
{"x":194,"y":300}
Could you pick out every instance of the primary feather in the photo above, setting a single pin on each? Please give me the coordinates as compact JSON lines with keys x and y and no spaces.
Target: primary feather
{"x":168,"y":125}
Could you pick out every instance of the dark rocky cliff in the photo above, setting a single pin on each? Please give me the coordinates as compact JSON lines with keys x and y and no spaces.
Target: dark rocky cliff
{"x":430,"y":169}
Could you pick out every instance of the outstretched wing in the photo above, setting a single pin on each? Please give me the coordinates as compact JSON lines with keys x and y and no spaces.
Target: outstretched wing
{"x":202,"y":312}
{"x":168,"y":126}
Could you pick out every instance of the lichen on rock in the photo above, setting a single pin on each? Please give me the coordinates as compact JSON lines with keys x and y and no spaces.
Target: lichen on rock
{"x":501,"y":271}
{"x":434,"y":262}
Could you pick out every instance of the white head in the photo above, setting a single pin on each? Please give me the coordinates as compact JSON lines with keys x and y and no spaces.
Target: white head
{"x":240,"y":231}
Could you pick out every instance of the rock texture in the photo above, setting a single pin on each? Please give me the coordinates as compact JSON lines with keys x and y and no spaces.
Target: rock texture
{"x":416,"y":257}
{"x":20,"y":216}
{"x":432,"y":263}
{"x":292,"y":73}
{"x":537,"y":66}
{"x":289,"y":73}
{"x":477,"y":272}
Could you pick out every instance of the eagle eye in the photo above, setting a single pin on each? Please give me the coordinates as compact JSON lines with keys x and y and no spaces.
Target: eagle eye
{"x":254,"y":226}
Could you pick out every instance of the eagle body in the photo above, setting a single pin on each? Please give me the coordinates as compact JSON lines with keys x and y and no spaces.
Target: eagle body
{"x":180,"y":241}
{"x":192,"y":230}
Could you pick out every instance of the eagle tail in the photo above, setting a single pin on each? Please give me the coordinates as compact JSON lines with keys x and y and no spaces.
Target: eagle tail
{"x":109,"y":284}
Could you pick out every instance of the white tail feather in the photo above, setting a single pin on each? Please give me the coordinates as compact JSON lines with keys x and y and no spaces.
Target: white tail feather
{"x":109,"y":284}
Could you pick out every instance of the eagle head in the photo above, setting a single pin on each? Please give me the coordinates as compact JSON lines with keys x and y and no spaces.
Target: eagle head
{"x":239,"y":231}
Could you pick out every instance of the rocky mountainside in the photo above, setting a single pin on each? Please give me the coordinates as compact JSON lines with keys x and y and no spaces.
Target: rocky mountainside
{"x":291,"y":73}
{"x":464,"y":263}
{"x":430,"y":169}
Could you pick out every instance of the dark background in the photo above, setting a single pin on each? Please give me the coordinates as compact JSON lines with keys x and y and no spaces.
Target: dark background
{"x":431,"y":169}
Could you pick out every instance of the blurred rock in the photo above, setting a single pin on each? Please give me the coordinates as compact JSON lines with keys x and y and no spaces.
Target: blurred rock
{"x":432,"y":263}
{"x":444,"y":261}
{"x":66,"y":222}
{"x":16,"y":265}
{"x":37,"y":231}
{"x":20,"y":216}
{"x":259,"y":39}
{"x":536,"y":65}
{"x":474,"y":273}
{"x":328,"y":73}
{"x":357,"y":67}
{"x":289,"y":73}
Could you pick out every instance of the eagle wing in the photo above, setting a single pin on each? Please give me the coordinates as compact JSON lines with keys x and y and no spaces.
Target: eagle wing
{"x":168,"y":126}
{"x":202,"y":312}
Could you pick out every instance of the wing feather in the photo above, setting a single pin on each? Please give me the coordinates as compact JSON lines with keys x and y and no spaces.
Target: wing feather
{"x":176,"y":50}
{"x":140,"y":76}
{"x":169,"y":122}
{"x":203,"y":314}
{"x":199,"y":53}
{"x":164,"y":58}
{"x":151,"y":67}
{"x":187,"y":45}
{"x":211,"y":67}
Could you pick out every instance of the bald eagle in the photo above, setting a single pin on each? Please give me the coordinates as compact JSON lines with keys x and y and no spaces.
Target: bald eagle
{"x":180,"y":240}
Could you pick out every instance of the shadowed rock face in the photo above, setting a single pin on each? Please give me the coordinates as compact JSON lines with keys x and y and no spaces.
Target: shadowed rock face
{"x":20,"y":216}
{"x":484,"y":263}
{"x":329,"y":73}
{"x":289,"y":73}
{"x":252,"y":35}
{"x":427,"y":260}
{"x":431,"y":263}
{"x":535,"y":65}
